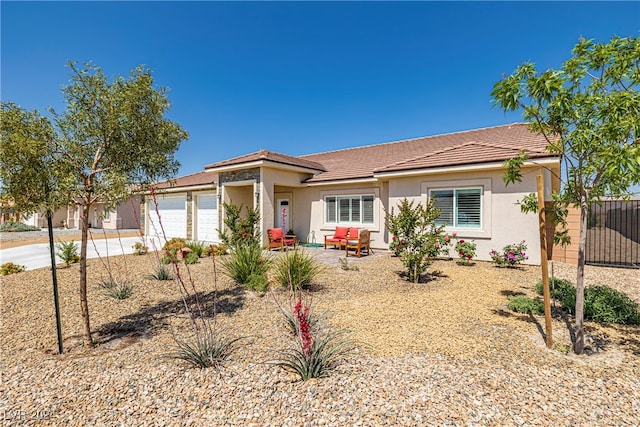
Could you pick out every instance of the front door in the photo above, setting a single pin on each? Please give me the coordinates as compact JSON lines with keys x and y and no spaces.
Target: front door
{"x":283,"y":219}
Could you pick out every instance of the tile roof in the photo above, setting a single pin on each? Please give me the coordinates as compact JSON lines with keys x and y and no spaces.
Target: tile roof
{"x":269,"y":156}
{"x":461,"y":148}
{"x":198,"y":178}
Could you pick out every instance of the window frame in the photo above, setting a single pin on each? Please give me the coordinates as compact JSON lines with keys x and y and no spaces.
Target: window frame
{"x":361,"y":214}
{"x":454,"y":190}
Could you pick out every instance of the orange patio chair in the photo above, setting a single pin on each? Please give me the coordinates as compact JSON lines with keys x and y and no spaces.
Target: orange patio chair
{"x":359,"y":242}
{"x":277,"y":239}
{"x":339,"y":238}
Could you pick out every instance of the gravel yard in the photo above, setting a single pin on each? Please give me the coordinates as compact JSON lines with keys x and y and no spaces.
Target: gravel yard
{"x":446,"y":352}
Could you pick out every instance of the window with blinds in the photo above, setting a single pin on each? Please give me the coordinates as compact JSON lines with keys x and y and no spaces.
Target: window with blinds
{"x":349,"y":209}
{"x":460,"y":207}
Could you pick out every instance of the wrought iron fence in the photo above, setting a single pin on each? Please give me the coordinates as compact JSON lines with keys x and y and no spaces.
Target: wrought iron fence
{"x":613,"y":234}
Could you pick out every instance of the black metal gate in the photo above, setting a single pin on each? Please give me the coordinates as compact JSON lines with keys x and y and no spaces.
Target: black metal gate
{"x":613,"y":234}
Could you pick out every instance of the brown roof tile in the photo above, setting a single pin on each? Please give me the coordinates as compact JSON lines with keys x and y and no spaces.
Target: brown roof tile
{"x":475,"y":146}
{"x":269,"y":156}
{"x":198,"y":178}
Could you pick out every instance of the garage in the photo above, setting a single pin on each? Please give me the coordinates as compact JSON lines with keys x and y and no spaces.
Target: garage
{"x":207,"y":218}
{"x":173,"y":214}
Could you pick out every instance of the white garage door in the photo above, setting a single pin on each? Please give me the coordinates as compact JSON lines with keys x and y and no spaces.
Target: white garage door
{"x":173,"y":215}
{"x":207,"y":218}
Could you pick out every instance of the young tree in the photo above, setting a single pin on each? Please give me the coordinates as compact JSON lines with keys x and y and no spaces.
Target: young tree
{"x":30,"y":176}
{"x":415,"y":226}
{"x":589,"y":112}
{"x":111,"y":139}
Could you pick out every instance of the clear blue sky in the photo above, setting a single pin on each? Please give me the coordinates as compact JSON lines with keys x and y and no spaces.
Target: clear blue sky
{"x":301,"y":77}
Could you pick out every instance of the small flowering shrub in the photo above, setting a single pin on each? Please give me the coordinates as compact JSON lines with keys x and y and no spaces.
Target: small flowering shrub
{"x":511,"y":255}
{"x":215,"y":250}
{"x":415,"y":228}
{"x":441,"y":247}
{"x":466,"y":251}
{"x":396,"y":246}
{"x":140,"y":249}
{"x":11,"y":268}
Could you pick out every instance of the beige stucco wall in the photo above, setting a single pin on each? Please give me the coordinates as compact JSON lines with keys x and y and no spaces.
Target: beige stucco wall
{"x":503,"y":223}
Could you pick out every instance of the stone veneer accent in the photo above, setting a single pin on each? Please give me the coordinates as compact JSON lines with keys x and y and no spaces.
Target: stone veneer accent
{"x":189,"y":215}
{"x":239,"y":175}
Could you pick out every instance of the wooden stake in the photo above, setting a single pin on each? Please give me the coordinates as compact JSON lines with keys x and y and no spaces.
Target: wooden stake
{"x":543,"y":262}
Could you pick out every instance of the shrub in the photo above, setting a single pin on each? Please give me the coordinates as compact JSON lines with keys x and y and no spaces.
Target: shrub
{"x":466,"y":251}
{"x":396,"y":246}
{"x":116,"y":289}
{"x":521,"y":304}
{"x":140,"y":249}
{"x":606,"y":305}
{"x":68,"y":252}
{"x":511,"y":255}
{"x":11,"y":268}
{"x":602,"y":303}
{"x":416,"y":230}
{"x":207,"y":349}
{"x":197,"y":247}
{"x":563,"y":291}
{"x":441,"y":248}
{"x":215,"y":250}
{"x":246,"y":260}
{"x":162,"y":273}
{"x":171,"y":248}
{"x":313,"y":352}
{"x":239,"y":229}
{"x":15,"y":226}
{"x":296,"y":269}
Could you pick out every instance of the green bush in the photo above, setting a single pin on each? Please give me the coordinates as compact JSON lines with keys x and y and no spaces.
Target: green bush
{"x":207,"y":349}
{"x":521,"y":304}
{"x":68,"y":252}
{"x":606,"y":305}
{"x":215,"y":250}
{"x":246,"y":262}
{"x":15,"y":226}
{"x":602,"y":303}
{"x":561,"y":290}
{"x":197,"y":247}
{"x":11,"y":268}
{"x":296,"y":268}
{"x":139,"y":248}
{"x":162,"y":273}
{"x":117,"y":289}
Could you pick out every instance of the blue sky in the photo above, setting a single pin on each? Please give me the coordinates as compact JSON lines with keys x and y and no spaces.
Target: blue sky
{"x":301,"y":77}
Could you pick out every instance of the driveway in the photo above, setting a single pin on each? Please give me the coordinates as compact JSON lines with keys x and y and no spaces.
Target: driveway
{"x":37,"y":255}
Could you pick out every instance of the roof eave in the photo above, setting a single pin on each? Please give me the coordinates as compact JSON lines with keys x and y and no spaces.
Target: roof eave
{"x":543,"y":161}
{"x":263,"y":163}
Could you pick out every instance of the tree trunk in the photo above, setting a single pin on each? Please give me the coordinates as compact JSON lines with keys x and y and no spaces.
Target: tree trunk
{"x":84,"y":304}
{"x":584,"y":210}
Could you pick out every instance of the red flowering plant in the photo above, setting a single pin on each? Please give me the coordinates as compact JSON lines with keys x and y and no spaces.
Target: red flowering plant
{"x":511,"y":255}
{"x":314,"y":351}
{"x":397,"y":246}
{"x":466,"y":251}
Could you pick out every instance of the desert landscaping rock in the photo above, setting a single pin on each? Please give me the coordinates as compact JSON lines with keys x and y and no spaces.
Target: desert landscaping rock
{"x":443,"y":352}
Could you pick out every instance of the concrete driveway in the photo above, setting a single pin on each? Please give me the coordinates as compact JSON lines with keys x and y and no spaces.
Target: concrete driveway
{"x":37,"y":255}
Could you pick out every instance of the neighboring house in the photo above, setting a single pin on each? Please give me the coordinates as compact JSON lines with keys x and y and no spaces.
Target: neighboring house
{"x":312,"y":194}
{"x":125,"y":216}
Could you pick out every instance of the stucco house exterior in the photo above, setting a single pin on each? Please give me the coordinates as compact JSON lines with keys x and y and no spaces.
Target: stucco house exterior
{"x":124,"y":216}
{"x":314,"y":193}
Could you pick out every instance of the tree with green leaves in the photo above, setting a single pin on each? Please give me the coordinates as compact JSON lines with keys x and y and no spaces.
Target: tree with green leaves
{"x":589,"y":113}
{"x":416,"y":227}
{"x":31,"y":175}
{"x":112,"y":139}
